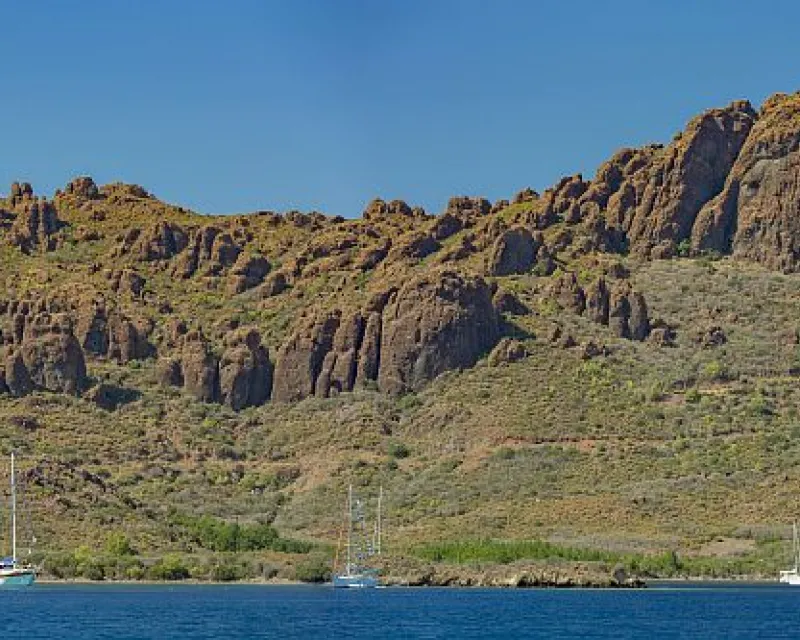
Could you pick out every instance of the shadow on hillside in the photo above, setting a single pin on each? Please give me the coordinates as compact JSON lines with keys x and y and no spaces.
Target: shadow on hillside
{"x":110,"y":396}
{"x":511,"y":330}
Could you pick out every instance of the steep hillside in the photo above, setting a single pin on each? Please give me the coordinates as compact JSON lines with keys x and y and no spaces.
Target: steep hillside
{"x":612,"y":364}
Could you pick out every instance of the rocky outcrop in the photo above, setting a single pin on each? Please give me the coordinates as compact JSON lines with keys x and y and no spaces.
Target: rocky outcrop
{"x":380,"y":210}
{"x":126,"y":281}
{"x":245,"y":371}
{"x":399,"y":341}
{"x":569,"y":295}
{"x":35,"y":225}
{"x":414,"y":246}
{"x":340,"y":366}
{"x":687,"y":174}
{"x":467,"y":208}
{"x":619,"y":307}
{"x":102,"y":331}
{"x":446,"y":225}
{"x":249,"y":271}
{"x":162,"y":241}
{"x":48,"y":357}
{"x":274,"y":284}
{"x":368,"y":364}
{"x":209,"y":251}
{"x":650,"y":199}
{"x":627,"y":316}
{"x":507,"y":302}
{"x":82,"y":187}
{"x":199,"y":367}
{"x":507,"y":350}
{"x":299,"y":361}
{"x":514,"y":252}
{"x":435,"y":323}
{"x":597,"y":301}
{"x":757,"y":215}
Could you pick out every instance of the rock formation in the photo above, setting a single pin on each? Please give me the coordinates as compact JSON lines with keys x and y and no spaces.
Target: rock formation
{"x":434,"y":324}
{"x":48,"y":357}
{"x":513,"y":252}
{"x":758,"y":212}
{"x":245,"y":371}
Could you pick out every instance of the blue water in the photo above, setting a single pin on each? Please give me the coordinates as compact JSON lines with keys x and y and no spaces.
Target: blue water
{"x":164,"y":612}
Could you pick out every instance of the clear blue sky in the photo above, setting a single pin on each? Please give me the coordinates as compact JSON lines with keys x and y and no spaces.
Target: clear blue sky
{"x":324,"y":104}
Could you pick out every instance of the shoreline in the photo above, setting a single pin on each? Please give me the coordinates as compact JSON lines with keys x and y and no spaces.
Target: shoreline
{"x":393,"y":582}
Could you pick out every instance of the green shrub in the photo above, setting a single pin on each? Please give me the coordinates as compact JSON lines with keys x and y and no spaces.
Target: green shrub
{"x":117,"y":544}
{"x":398,"y":450}
{"x":315,"y":568}
{"x":170,"y":567}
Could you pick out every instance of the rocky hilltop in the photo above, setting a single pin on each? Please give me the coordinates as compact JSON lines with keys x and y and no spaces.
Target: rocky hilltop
{"x":393,"y":299}
{"x":123,"y":306}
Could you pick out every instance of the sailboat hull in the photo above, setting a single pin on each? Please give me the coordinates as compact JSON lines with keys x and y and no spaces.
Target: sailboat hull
{"x":18,"y":578}
{"x":355,"y":581}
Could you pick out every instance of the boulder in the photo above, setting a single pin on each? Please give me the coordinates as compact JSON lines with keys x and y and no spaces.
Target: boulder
{"x":711,"y":337}
{"x":662,"y":335}
{"x":274,"y":284}
{"x":507,"y":350}
{"x":592,"y":350}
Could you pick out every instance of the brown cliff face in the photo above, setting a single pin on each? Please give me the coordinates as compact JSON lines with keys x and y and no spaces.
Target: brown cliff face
{"x":48,"y":357}
{"x":758,"y":213}
{"x":649,"y":199}
{"x":434,"y":324}
{"x":300,"y":359}
{"x":199,"y":367}
{"x":688,"y":173}
{"x":245,"y":371}
{"x":513,"y":252}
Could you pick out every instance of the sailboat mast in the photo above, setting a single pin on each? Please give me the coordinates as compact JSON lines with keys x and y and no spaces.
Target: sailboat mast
{"x":378,"y":525}
{"x":13,"y":513}
{"x":796,"y":547}
{"x":349,"y":526}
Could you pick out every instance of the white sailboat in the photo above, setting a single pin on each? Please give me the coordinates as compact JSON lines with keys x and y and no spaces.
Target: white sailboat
{"x":792,"y":576}
{"x":12,"y":572}
{"x":356,"y":575}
